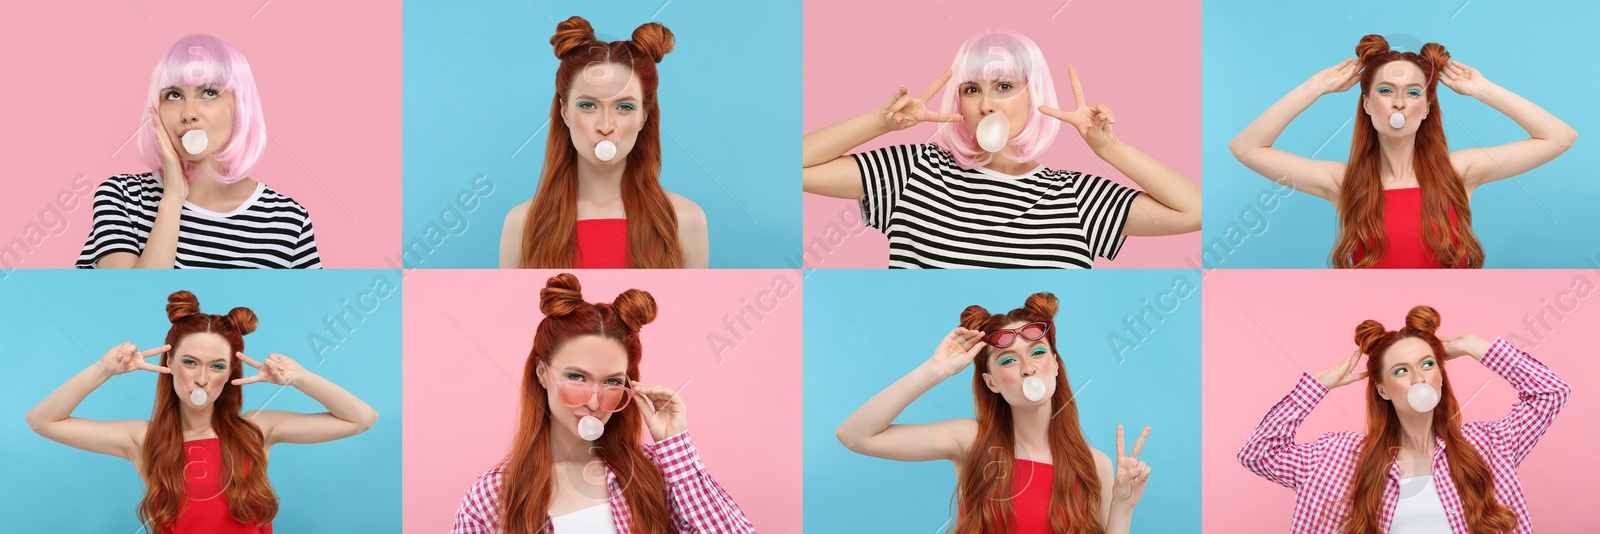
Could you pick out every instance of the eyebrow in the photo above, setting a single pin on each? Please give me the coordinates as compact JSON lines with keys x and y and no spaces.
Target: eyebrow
{"x":623,"y":99}
{"x":1424,"y":358}
{"x":1409,"y":85}
{"x":193,"y":357}
{"x":584,"y":372}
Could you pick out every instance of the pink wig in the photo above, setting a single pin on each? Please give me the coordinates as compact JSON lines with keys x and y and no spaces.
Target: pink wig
{"x":999,"y":54}
{"x":203,"y":60}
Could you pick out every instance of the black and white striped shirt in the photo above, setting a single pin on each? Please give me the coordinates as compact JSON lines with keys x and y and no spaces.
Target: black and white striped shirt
{"x":269,"y":230}
{"x":939,"y":215}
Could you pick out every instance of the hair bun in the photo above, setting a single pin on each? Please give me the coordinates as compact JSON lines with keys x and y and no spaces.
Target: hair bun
{"x":1043,"y":305}
{"x":1423,"y":319}
{"x":1368,"y":333}
{"x":571,"y":34}
{"x":653,"y":40}
{"x":243,"y":320}
{"x":974,"y":317}
{"x":561,"y":295}
{"x":1371,"y":45}
{"x":1435,"y":54}
{"x":636,"y":308}
{"x":181,"y":304}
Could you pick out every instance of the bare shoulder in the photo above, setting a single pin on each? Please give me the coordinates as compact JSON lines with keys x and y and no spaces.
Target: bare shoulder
{"x":960,"y":433}
{"x":518,"y":214}
{"x":689,"y":213}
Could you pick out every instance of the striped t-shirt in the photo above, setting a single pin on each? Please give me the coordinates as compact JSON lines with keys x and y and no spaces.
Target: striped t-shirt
{"x":939,"y":215}
{"x":269,"y":230}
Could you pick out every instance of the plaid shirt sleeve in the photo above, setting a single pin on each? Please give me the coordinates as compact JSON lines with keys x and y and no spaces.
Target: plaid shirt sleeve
{"x":479,"y":512}
{"x":698,"y":503}
{"x":1540,"y":396}
{"x":1271,"y":451}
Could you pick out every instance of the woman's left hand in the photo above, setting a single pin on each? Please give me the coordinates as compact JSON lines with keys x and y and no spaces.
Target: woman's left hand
{"x":277,"y":369}
{"x":1462,"y":79}
{"x":1464,"y":345}
{"x":1093,"y":123}
{"x":663,"y":409}
{"x":1131,"y":473}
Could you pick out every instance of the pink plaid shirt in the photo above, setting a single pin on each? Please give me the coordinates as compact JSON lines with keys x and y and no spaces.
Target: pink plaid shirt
{"x":1320,"y":472}
{"x":698,"y":503}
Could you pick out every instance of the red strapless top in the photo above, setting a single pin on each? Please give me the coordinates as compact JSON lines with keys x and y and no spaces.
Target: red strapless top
{"x":1402,"y":224}
{"x":206,"y":509}
{"x":1030,"y":496}
{"x":602,"y":244}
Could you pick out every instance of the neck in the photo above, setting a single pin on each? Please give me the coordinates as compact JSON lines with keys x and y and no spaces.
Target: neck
{"x":597,"y":184}
{"x":1001,"y":163}
{"x":195,"y":420}
{"x":1395,"y":156}
{"x":1416,"y":433}
{"x":566,"y":447}
{"x":1030,"y":426}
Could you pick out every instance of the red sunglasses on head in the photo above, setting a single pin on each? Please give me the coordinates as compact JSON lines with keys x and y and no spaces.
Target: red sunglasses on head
{"x":1004,"y":338}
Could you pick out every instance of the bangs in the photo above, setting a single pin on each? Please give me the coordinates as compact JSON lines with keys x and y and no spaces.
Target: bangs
{"x":995,"y":56}
{"x":196,"y":60}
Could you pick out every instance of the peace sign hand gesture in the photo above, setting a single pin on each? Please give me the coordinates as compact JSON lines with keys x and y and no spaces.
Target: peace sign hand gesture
{"x":904,"y":111}
{"x":127,"y":357}
{"x":277,"y":369}
{"x":1093,"y":123}
{"x":1131,"y":473}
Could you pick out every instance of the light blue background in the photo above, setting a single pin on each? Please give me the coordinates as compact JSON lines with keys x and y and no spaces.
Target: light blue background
{"x":866,"y":329}
{"x":53,"y":324}
{"x":1257,"y":51}
{"x":479,"y":79}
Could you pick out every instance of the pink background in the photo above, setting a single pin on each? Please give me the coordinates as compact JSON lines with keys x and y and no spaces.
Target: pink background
{"x":329,"y":78}
{"x":466,"y":331}
{"x":1142,"y":59}
{"x":1312,"y":315}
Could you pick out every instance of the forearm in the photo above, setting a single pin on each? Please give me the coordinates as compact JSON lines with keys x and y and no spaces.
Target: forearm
{"x":340,"y":403}
{"x":1540,"y":124}
{"x":161,"y":249}
{"x":879,"y":412}
{"x":1161,"y":182}
{"x":1264,"y":131}
{"x":837,"y":139}
{"x":1120,"y":519}
{"x":59,"y":404}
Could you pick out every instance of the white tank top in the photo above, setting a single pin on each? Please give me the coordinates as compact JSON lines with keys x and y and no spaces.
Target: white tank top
{"x":1419,"y":510}
{"x":594,"y":519}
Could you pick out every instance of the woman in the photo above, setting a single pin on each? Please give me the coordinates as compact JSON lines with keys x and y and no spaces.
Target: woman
{"x":195,"y":431}
{"x":1026,"y":429}
{"x":975,"y":197}
{"x":582,"y":406}
{"x":199,"y":207}
{"x":1403,"y":197}
{"x":1417,"y":468}
{"x":600,"y":203}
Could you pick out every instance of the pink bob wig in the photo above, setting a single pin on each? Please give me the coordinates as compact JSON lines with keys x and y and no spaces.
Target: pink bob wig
{"x":203,"y":60}
{"x":999,"y":54}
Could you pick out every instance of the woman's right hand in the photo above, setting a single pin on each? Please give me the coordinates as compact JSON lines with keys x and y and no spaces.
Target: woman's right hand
{"x":127,"y":357}
{"x":956,"y":351}
{"x":171,"y":166}
{"x":904,"y":111}
{"x":1342,"y":373}
{"x":1336,"y":79}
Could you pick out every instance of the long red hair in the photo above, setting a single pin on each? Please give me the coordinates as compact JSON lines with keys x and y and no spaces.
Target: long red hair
{"x":986,"y":473}
{"x":1474,"y":483}
{"x":525,"y":491}
{"x":244,"y":456}
{"x":549,"y":233}
{"x":1360,"y":206}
